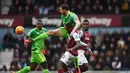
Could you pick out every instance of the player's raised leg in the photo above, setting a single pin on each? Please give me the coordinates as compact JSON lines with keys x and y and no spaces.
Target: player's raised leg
{"x":58,"y":32}
{"x":55,"y":32}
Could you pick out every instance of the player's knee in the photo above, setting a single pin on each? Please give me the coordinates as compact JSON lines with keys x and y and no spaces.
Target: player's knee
{"x":61,"y":65}
{"x":84,"y":67}
{"x":44,"y":65}
{"x":32,"y":68}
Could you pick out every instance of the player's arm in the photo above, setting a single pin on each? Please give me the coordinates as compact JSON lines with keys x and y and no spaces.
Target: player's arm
{"x":89,"y":50}
{"x":78,"y":42}
{"x":76,"y":46}
{"x":76,"y":20}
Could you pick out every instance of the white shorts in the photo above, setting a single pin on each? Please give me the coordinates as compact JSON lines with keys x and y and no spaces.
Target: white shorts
{"x":68,"y":57}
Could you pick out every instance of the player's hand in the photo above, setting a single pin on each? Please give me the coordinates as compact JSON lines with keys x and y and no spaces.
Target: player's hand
{"x":91,"y":53}
{"x":28,"y":41}
{"x":31,"y":41}
{"x":25,"y":43}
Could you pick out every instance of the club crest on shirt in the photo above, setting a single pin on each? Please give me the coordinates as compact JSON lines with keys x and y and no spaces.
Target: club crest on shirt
{"x":75,"y":17}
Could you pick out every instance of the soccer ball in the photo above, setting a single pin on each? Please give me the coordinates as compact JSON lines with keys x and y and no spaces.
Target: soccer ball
{"x":19,"y":30}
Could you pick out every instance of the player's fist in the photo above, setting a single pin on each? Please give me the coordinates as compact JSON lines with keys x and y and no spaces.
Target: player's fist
{"x":28,"y":41}
{"x":91,"y":53}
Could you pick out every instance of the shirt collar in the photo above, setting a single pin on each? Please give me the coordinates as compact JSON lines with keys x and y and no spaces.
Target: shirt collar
{"x":67,"y":14}
{"x":38,"y":29}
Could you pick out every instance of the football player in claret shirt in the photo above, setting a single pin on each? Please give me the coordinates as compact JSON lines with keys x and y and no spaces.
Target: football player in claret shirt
{"x":76,"y":47}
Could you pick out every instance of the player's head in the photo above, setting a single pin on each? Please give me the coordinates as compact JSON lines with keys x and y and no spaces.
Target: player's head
{"x":85,"y":25}
{"x":64,"y":8}
{"x":39,"y":24}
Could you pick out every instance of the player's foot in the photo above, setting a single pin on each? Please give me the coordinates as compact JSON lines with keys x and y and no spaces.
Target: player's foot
{"x":13,"y":72}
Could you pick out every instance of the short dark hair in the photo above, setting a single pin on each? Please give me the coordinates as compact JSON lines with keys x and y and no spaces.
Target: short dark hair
{"x":86,"y":21}
{"x":39,"y":22}
{"x":65,"y":6}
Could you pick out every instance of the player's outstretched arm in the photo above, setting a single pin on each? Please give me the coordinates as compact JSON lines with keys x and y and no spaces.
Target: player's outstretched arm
{"x":78,"y":44}
{"x":78,"y":41}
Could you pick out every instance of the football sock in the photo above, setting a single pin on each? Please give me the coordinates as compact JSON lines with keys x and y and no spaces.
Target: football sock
{"x":84,"y":68}
{"x":65,"y":69}
{"x":60,"y":70}
{"x":42,"y":36}
{"x":24,"y":70}
{"x":76,"y":62}
{"x":45,"y":71}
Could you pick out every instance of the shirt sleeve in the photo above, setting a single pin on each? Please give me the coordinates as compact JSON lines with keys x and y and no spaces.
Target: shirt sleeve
{"x":75,"y":17}
{"x":76,"y":37}
{"x":45,"y":29}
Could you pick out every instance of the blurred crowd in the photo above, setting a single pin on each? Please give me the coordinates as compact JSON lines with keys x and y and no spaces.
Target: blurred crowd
{"x":111,"y":51}
{"x":43,"y":7}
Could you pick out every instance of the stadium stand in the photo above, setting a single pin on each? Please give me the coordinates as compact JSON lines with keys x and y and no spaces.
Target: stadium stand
{"x":43,"y":7}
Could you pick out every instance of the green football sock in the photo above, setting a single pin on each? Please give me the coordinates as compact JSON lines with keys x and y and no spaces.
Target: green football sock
{"x":42,"y":36}
{"x":45,"y":71}
{"x":24,"y":70}
{"x":76,"y":62}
